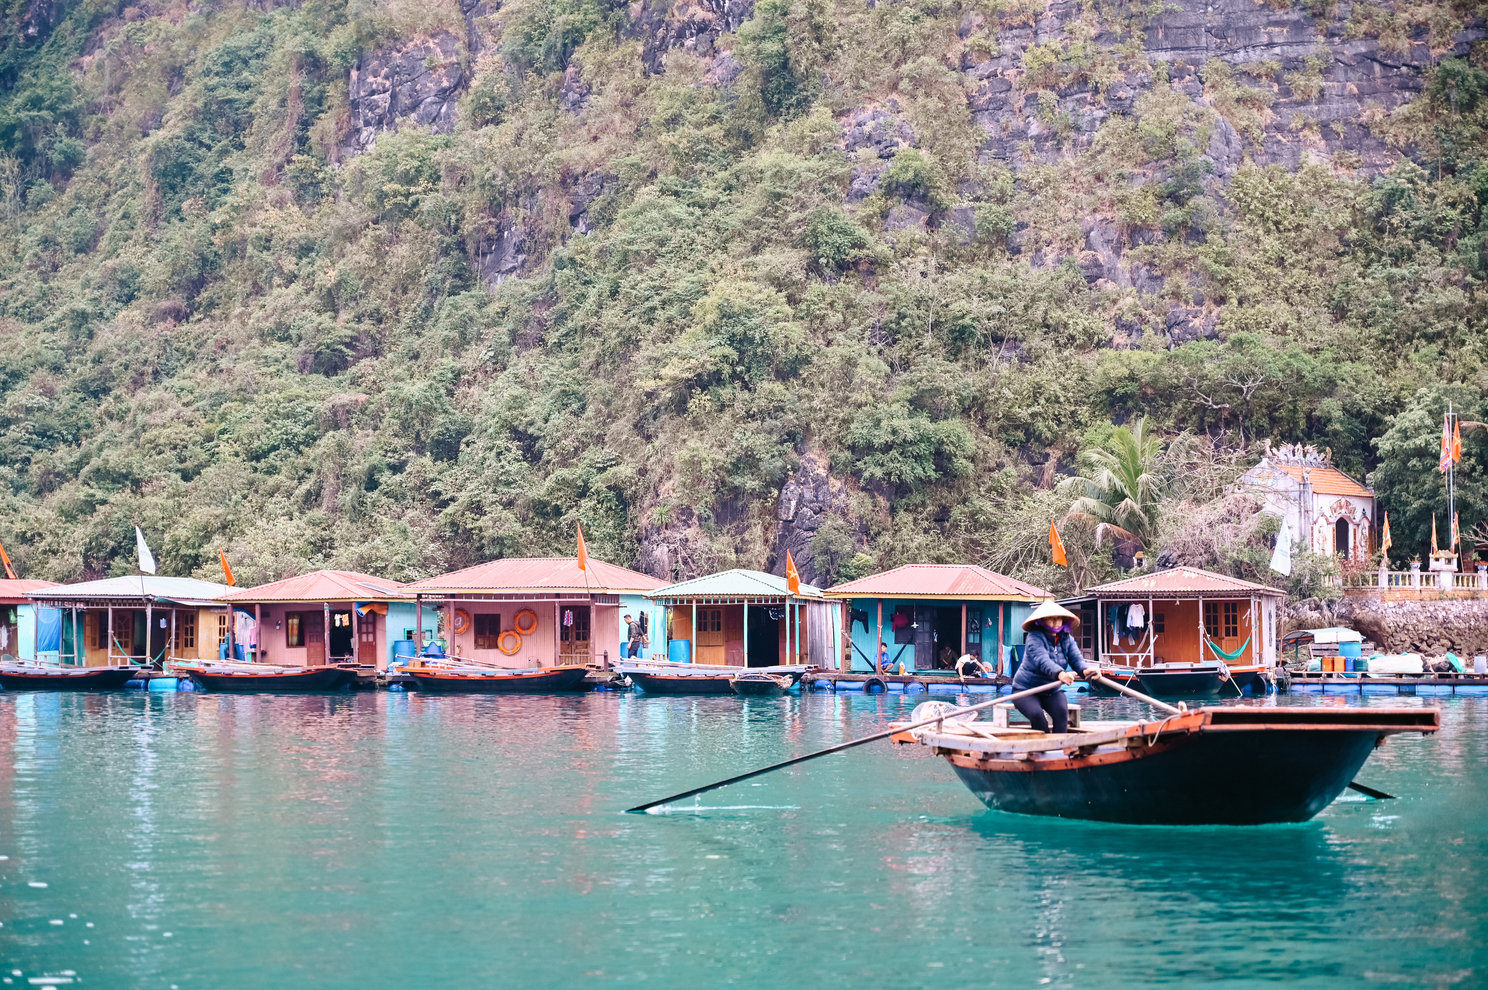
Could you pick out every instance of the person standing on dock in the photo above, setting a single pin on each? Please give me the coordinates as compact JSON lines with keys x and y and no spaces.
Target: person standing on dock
{"x":1048,"y":647}
{"x":635,"y":633}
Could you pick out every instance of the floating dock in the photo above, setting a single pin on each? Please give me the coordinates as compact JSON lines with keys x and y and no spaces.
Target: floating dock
{"x":1396,"y":684}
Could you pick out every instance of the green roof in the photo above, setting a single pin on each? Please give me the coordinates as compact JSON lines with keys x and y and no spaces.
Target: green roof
{"x":738,"y":584}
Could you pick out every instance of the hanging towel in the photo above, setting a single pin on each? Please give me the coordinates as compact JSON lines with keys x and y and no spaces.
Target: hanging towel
{"x":1136,"y":617}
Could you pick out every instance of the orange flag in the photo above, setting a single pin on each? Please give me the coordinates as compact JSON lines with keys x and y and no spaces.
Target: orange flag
{"x":1456,"y":439}
{"x":226,"y":571}
{"x":792,"y":576}
{"x":1385,"y":541}
{"x":1057,"y":545}
{"x":583,"y":551}
{"x":1433,"y":534}
{"x":5,"y":558}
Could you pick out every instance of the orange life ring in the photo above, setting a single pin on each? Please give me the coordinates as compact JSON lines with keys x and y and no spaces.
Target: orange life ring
{"x":462,"y":620}
{"x":509,"y":642}
{"x":526,"y":622}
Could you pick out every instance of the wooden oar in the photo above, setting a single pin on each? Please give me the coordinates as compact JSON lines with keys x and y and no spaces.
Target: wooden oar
{"x":847,"y":745}
{"x":1364,"y":789}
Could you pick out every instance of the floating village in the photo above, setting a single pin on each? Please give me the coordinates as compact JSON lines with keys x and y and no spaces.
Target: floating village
{"x":1187,"y":641}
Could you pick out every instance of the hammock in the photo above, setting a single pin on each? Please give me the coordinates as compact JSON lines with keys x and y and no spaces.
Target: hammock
{"x":1229,"y":656}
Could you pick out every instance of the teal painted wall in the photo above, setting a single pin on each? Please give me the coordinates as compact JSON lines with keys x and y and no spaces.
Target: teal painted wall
{"x":402,"y":616}
{"x":865,"y":642}
{"x":635,"y":605}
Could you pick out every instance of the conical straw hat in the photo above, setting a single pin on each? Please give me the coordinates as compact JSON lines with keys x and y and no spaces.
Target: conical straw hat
{"x":1051,"y":608}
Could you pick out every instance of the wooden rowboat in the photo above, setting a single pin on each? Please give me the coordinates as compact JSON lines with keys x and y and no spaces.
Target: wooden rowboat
{"x":450,"y":678}
{"x":250,"y":677}
{"x":661,"y":682}
{"x":794,"y":671}
{"x":1184,"y":680}
{"x":758,"y":683}
{"x":1236,"y":765}
{"x":20,"y":676}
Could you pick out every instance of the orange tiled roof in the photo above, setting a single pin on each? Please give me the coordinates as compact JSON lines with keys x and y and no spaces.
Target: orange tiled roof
{"x":1181,"y":581}
{"x":539,"y":575}
{"x":1328,"y":481}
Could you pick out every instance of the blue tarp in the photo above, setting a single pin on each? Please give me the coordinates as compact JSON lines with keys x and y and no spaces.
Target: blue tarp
{"x":49,"y":630}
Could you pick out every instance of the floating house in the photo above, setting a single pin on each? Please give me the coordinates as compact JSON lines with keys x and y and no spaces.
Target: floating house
{"x":526,"y":612}
{"x":1182,"y":615}
{"x":19,"y":620}
{"x":746,"y":618}
{"x":932,"y":614}
{"x":322,"y":617}
{"x":145,"y":619}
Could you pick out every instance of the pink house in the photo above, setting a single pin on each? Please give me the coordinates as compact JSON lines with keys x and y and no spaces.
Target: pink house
{"x":316,"y":618}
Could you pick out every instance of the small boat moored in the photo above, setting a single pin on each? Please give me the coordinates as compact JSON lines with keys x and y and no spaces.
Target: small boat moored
{"x":453,"y":677}
{"x":1184,"y":680}
{"x":667,"y":677}
{"x":20,"y":675}
{"x":1233,"y":765}
{"x":757,"y":683}
{"x":250,"y":677}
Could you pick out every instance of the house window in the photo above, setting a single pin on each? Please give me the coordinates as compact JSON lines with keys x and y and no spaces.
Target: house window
{"x":487,"y":630}
{"x":221,"y":629}
{"x":186,"y":630}
{"x":100,"y":631}
{"x":1231,"y":619}
{"x":294,"y":629}
{"x":1211,"y":618}
{"x":711,"y":620}
{"x":1159,"y":623}
{"x":1222,"y":619}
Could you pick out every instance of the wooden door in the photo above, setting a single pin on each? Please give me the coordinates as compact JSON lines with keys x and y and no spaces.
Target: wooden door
{"x":733,"y":635}
{"x":710,"y":636}
{"x":574,"y":642}
{"x":315,"y":652}
{"x":366,"y":638}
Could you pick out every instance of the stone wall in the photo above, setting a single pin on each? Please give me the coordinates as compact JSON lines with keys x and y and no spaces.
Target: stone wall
{"x":1428,"y":627}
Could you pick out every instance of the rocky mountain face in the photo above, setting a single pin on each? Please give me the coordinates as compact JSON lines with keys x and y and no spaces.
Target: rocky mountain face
{"x":1430,"y":628}
{"x":1242,"y":81}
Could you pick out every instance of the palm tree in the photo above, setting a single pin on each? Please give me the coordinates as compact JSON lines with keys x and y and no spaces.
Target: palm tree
{"x":1120,"y":488}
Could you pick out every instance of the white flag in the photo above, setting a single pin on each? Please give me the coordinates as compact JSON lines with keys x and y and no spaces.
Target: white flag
{"x":146,"y":558}
{"x":1281,"y":557}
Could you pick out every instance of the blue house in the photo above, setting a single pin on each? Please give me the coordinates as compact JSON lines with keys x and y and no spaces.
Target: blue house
{"x":931,"y":614}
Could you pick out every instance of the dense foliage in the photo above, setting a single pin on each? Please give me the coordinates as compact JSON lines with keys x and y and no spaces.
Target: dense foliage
{"x":220,"y":323}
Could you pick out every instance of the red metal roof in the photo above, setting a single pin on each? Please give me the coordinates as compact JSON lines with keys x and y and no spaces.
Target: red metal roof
{"x":323,"y":586}
{"x":1184,"y":582}
{"x":15,"y":592}
{"x":539,"y":574}
{"x":961,"y":581}
{"x":1328,"y":481}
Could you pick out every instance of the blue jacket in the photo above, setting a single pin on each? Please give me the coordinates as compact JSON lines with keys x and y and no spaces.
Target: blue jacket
{"x":1044,"y":659}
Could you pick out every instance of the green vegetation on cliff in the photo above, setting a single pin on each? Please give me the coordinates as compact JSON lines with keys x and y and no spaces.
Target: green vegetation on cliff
{"x":806,"y":256}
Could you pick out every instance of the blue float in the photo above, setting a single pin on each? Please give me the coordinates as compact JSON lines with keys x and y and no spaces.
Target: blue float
{"x":164,"y":683}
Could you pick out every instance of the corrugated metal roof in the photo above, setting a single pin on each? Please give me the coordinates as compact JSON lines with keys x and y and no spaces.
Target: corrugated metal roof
{"x":1328,"y":481}
{"x":18,"y":591}
{"x":737,"y":583}
{"x":539,"y":574}
{"x":963,"y":581}
{"x":183,"y":591}
{"x":324,"y":586}
{"x":1182,"y":581}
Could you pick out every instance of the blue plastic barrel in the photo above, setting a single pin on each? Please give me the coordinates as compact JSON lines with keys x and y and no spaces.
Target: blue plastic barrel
{"x":404,"y":650}
{"x":1350,"y":649}
{"x":679,"y":651}
{"x":1349,"y":663}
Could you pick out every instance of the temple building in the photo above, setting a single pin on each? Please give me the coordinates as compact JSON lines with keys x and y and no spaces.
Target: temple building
{"x":1326,"y":511}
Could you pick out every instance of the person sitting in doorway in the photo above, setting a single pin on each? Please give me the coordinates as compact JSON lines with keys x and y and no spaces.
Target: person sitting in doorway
{"x":883,"y":658}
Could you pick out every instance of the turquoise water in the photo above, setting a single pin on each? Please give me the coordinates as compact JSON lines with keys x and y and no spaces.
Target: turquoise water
{"x":401,"y":840}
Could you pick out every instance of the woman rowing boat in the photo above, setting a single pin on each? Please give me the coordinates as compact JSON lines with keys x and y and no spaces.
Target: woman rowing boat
{"x":1048,"y":647}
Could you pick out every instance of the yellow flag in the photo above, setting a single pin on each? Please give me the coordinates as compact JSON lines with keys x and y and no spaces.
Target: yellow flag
{"x":1057,"y":545}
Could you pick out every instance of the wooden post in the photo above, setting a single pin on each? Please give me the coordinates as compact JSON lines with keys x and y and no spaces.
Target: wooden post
{"x":557,"y":636}
{"x":108,"y":639}
{"x":258,"y":647}
{"x":1001,"y":610}
{"x":418,"y":624}
{"x":325,"y":635}
{"x":1152,"y":637}
{"x":149,"y":630}
{"x":1202,"y":637}
{"x":170,"y":641}
{"x":449,"y":624}
{"x":746,"y":633}
{"x":692,"y":636}
{"x":232,"y":615}
{"x":879,"y":638}
{"x":77,"y":640}
{"x":963,"y":630}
